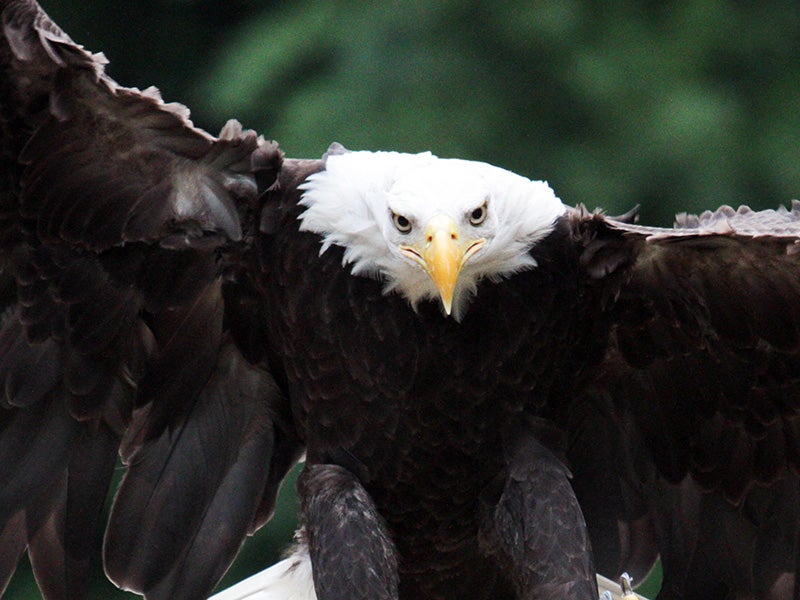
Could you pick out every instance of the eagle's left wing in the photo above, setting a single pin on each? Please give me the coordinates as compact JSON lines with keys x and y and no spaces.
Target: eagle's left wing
{"x":697,"y":398}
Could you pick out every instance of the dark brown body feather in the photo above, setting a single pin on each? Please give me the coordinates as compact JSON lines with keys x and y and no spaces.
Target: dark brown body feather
{"x":159,"y":306}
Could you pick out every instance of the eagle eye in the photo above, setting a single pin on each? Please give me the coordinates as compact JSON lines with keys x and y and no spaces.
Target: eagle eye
{"x":478,"y":216}
{"x":402,"y":224}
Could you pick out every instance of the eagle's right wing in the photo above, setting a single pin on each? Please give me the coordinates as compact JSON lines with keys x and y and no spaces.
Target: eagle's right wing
{"x":122,"y":228}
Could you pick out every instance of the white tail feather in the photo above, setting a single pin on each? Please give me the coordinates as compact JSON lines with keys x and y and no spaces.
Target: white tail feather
{"x":290,"y":579}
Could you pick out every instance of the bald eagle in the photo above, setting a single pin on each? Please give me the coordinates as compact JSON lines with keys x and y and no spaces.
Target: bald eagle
{"x":496,"y":395}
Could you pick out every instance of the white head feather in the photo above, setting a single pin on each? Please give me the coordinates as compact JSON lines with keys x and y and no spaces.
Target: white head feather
{"x":352,"y":202}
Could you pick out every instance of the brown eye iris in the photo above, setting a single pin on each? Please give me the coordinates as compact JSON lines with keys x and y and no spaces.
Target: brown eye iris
{"x":478,"y":216}
{"x":402,"y":224}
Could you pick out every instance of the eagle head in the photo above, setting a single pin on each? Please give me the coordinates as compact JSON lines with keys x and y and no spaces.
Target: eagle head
{"x":430,"y":228}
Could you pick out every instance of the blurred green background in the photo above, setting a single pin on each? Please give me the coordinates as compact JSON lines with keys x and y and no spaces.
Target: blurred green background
{"x":677,"y":106}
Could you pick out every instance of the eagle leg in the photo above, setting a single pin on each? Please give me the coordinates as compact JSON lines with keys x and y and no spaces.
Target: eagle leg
{"x":533,"y":527}
{"x":352,"y":555}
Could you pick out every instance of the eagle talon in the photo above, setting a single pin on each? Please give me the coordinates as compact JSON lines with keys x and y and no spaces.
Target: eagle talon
{"x":622,"y":589}
{"x":626,"y":584}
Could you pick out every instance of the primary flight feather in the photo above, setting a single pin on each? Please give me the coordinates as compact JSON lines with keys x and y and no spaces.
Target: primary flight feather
{"x":495,"y":394}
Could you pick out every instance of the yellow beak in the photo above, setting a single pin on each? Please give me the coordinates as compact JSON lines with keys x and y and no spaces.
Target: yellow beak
{"x":442,"y":254}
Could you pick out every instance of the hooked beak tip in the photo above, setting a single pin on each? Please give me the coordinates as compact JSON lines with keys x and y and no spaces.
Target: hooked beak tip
{"x":447,"y":304}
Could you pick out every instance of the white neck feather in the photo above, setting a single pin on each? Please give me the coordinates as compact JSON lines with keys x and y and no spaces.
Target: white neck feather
{"x":347,"y":204}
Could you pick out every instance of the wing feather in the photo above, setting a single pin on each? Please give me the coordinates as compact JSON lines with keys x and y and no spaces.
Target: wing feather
{"x":201,"y":479}
{"x":706,"y":324}
{"x":34,"y":462}
{"x":29,"y":370}
{"x":702,"y":364}
{"x":62,"y":548}
{"x":119,"y":220}
{"x":14,"y":541}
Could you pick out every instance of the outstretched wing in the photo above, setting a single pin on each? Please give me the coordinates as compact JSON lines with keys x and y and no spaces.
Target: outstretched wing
{"x":701,"y":381}
{"x":122,"y":232}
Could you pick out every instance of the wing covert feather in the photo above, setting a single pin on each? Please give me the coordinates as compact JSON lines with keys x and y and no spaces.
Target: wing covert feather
{"x":704,"y":344}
